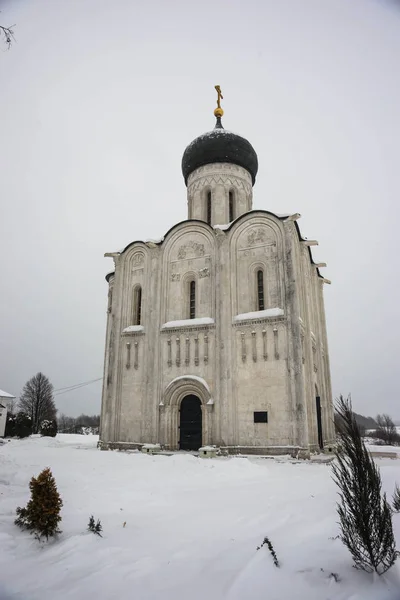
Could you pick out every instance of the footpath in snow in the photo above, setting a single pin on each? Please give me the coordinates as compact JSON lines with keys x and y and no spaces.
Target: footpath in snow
{"x":192,"y":528}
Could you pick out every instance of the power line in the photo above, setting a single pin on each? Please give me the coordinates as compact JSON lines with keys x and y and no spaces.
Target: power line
{"x":77,"y":386}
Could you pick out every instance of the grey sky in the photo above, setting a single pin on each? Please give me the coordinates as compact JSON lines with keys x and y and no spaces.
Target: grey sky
{"x":98,"y":101}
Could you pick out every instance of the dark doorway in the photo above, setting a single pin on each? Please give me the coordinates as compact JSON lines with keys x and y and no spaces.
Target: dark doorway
{"x":319,"y":423}
{"x":190,"y":423}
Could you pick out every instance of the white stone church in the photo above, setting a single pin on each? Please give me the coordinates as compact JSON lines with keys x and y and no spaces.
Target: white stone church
{"x":216,"y":335}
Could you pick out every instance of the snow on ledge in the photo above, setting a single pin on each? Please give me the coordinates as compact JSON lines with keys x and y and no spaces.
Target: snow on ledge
{"x":210,"y":402}
{"x":186,"y":322}
{"x":156,"y":241}
{"x":133,"y":328}
{"x":259,"y":314}
{"x":224,"y":226}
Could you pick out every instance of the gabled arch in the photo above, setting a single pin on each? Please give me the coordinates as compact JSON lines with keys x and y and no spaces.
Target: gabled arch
{"x":257,"y":242}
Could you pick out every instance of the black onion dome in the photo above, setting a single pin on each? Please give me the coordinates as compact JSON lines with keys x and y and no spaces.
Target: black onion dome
{"x":219,"y":146}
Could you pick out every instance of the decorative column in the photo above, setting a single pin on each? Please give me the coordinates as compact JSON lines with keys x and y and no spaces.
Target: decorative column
{"x":136,"y":363}
{"x":178,"y":352}
{"x":254,"y":344}
{"x":265,"y":352}
{"x":196,"y":350}
{"x":206,"y":349}
{"x":169,"y":353}
{"x":187,"y":358}
{"x":276,"y":347}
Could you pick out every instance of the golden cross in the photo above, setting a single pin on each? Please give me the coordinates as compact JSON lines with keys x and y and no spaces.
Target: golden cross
{"x":218,"y":88}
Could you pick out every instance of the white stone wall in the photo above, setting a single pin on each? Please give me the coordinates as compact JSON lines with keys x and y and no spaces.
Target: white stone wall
{"x":269,"y":362}
{"x":3,"y":417}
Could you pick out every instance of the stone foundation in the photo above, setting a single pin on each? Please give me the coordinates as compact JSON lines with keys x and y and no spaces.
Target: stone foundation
{"x":293,"y":451}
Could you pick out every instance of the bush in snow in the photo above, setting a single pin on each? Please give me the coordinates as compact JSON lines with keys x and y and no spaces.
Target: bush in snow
{"x":19,"y":425}
{"x":365,"y":515}
{"x":267,"y":542}
{"x":10,"y":425}
{"x":396,"y":499}
{"x":95,"y":527}
{"x":42,"y":513}
{"x":48,"y":428}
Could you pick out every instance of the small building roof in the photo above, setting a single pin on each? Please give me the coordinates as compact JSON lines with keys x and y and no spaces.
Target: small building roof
{"x":5,"y":395}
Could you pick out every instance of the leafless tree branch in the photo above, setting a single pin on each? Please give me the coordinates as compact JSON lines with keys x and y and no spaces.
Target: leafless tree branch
{"x":8,"y":35}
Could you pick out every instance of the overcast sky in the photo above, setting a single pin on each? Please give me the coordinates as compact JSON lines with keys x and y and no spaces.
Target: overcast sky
{"x":98,"y":101}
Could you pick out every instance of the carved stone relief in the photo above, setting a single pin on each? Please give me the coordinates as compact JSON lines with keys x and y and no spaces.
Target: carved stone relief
{"x":137,"y":259}
{"x":256,"y":236}
{"x":190,"y":250}
{"x":204,"y":272}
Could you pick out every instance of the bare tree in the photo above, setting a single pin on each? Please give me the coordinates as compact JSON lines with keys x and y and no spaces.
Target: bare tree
{"x":77,"y":424}
{"x":62,"y":422}
{"x":386,"y":430}
{"x":37,"y":400}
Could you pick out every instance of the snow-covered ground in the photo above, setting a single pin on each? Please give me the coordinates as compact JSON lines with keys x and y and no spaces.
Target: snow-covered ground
{"x":192,"y":528}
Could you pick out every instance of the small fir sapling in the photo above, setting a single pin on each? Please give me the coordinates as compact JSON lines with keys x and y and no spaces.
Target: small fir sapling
{"x":41,"y":515}
{"x":267,"y":542}
{"x":396,"y":499}
{"x":95,"y":527}
{"x":364,"y":513}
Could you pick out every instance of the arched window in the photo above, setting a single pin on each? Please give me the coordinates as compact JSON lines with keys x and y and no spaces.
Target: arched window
{"x":137,"y":305}
{"x":192,"y":300}
{"x":231,"y":207}
{"x":209,"y":208}
{"x":260,"y":290}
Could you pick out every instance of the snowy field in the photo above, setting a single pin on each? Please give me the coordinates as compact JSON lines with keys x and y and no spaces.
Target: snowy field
{"x":192,"y":528}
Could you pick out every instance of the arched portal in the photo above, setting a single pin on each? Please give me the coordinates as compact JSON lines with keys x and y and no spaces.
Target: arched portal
{"x":186,"y":398}
{"x":190,"y":423}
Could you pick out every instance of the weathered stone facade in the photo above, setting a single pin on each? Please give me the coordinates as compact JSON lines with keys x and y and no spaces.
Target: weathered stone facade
{"x":236,"y":359}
